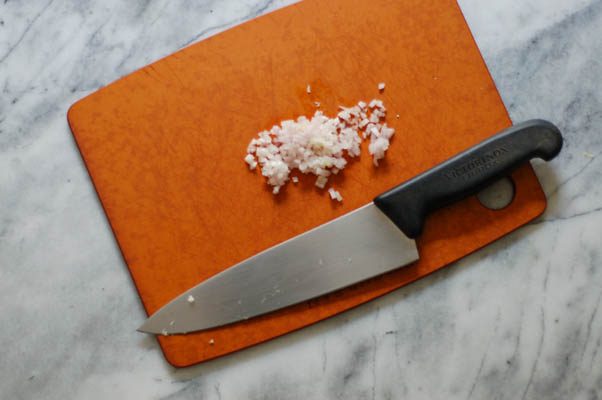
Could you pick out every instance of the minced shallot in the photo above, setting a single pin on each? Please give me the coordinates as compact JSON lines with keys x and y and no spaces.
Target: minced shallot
{"x":319,"y":145}
{"x":335,"y":195}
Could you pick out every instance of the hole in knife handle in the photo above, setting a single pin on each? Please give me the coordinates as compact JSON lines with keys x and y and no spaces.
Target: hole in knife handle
{"x":498,"y":195}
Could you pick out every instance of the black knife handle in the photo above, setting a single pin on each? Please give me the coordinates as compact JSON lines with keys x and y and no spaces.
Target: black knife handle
{"x":467,"y":173}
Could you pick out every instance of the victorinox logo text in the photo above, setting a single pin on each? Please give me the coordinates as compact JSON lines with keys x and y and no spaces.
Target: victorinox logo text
{"x":477,"y":165}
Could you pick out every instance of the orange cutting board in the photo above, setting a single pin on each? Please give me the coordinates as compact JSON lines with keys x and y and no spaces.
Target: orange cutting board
{"x":165,"y":145}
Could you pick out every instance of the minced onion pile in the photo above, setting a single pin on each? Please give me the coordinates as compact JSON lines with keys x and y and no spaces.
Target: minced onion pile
{"x":319,"y":145}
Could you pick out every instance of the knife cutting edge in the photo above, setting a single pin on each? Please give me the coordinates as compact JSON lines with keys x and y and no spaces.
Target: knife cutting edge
{"x":370,"y":241}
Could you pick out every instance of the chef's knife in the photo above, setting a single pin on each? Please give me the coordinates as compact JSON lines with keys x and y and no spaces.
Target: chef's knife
{"x":362,"y":244}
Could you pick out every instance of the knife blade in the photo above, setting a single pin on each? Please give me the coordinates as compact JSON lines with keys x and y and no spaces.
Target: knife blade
{"x":370,"y":241}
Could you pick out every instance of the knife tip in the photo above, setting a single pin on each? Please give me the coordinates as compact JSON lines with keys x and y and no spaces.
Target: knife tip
{"x":142,"y":330}
{"x":147,"y":327}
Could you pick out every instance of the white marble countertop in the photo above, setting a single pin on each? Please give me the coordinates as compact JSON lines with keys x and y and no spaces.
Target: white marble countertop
{"x":521,"y":319}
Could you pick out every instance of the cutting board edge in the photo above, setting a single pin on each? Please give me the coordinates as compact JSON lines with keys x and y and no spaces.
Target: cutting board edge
{"x":71,"y":123}
{"x":72,"y":119}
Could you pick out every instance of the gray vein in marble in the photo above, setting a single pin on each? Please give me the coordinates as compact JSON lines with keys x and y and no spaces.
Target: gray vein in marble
{"x":217,"y":392}
{"x":577,"y":215}
{"x":257,"y":10}
{"x":589,"y":325}
{"x":29,"y":25}
{"x":477,"y":378}
{"x":537,"y":357}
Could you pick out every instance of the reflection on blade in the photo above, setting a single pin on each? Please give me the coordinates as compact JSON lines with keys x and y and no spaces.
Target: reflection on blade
{"x":345,"y":251}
